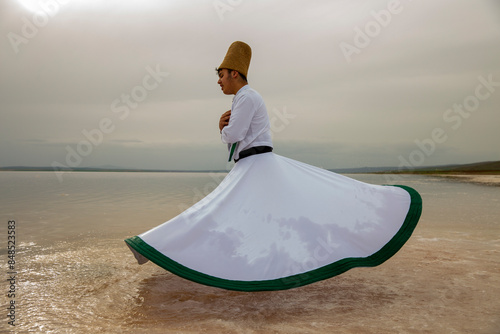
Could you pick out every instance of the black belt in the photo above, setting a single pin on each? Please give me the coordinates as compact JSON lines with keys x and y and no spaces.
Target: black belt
{"x":254,"y":150}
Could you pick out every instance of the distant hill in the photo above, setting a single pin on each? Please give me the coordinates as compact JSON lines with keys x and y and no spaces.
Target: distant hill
{"x":103,"y":169}
{"x":488,"y":167}
{"x":362,"y":170}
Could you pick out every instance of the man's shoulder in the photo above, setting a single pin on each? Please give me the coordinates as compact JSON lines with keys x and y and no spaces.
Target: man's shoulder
{"x":250,"y":92}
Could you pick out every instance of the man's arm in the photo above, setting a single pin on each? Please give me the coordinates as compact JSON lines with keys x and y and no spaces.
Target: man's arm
{"x":242,"y":113}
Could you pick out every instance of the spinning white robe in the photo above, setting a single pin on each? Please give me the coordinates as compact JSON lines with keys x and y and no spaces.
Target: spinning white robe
{"x":275,"y":223}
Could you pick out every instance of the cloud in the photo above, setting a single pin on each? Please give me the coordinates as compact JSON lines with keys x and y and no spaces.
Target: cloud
{"x":66,"y":78}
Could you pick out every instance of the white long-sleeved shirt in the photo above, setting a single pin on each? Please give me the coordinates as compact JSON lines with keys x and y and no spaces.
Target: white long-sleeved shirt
{"x":249,"y":124}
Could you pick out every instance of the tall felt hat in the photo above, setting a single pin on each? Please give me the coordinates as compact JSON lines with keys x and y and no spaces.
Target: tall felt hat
{"x":237,"y":58}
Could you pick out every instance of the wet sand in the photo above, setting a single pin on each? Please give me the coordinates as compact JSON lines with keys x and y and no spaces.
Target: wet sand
{"x":76,"y":275}
{"x":442,"y":281}
{"x":435,"y":285}
{"x":446,"y":279}
{"x":492,"y":180}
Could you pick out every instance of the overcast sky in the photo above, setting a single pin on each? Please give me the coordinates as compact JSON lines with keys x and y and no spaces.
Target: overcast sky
{"x":347,"y":83}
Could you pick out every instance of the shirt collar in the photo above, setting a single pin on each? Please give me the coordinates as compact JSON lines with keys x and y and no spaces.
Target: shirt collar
{"x":242,"y":89}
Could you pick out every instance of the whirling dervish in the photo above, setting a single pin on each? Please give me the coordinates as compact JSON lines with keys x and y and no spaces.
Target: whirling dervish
{"x":274,"y":223}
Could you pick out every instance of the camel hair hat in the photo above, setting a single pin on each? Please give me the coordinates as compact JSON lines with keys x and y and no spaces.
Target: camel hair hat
{"x":237,"y":58}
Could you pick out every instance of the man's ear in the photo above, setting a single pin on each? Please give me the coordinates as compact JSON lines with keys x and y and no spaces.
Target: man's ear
{"x":234,"y":74}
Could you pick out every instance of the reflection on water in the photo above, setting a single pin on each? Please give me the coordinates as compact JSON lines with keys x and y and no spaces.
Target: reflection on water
{"x":75,"y":274}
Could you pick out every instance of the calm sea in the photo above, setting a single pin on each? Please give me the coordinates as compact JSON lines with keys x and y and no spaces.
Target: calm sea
{"x":74,"y":274}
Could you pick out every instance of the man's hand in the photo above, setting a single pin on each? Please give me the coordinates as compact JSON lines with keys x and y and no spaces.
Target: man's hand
{"x":224,"y":120}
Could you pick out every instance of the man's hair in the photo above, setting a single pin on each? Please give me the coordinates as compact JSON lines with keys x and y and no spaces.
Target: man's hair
{"x":241,"y":75}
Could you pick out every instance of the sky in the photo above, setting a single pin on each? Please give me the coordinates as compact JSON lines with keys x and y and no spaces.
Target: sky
{"x":347,"y":83}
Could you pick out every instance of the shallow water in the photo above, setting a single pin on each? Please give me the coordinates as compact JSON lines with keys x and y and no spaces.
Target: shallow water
{"x":76,"y":275}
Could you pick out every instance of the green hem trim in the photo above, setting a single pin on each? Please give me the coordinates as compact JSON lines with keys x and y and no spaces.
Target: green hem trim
{"x":294,"y":281}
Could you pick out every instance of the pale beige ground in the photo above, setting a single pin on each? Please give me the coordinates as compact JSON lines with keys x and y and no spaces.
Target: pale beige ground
{"x":441,"y":282}
{"x":446,"y":279}
{"x":482,"y":179}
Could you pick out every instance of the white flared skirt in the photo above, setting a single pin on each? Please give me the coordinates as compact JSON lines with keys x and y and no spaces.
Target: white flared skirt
{"x":275,"y":223}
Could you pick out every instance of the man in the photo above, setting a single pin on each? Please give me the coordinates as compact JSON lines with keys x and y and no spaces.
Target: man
{"x":245,"y":128}
{"x":275,"y":223}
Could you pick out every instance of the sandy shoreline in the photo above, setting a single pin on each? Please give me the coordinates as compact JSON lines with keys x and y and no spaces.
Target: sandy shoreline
{"x":73,"y":264}
{"x":493,"y":180}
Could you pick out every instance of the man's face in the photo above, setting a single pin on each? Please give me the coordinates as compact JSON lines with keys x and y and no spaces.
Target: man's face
{"x":226,"y":81}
